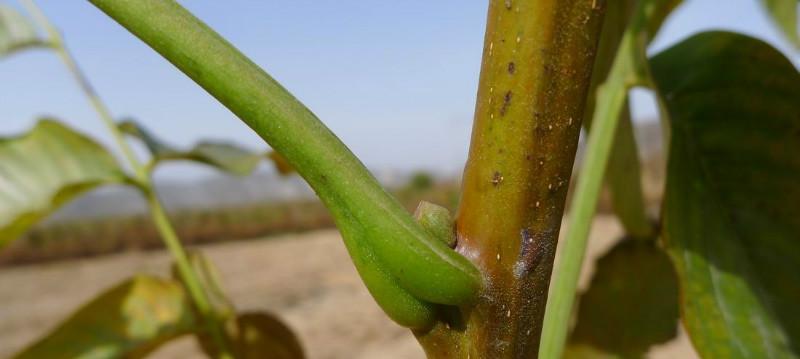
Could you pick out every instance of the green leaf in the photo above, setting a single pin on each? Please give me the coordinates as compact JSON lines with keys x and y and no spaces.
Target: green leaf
{"x":221,"y":155}
{"x":632,"y":303}
{"x":784,"y":13}
{"x":17,"y":32}
{"x":130,"y":320}
{"x":45,"y":168}
{"x":732,"y":201}
{"x":258,"y":335}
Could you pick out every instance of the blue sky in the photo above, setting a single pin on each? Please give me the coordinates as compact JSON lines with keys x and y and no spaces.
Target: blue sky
{"x":395,"y":79}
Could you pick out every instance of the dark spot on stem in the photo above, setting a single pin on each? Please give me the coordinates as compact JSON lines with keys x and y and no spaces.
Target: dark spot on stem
{"x":506,"y":103}
{"x":533,"y":249}
{"x":508,"y":4}
{"x":540,"y":131}
{"x":512,"y":67}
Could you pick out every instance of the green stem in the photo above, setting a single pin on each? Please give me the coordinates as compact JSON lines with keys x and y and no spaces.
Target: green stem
{"x":158,"y":214}
{"x":376,"y":228}
{"x":198,"y":295}
{"x":628,"y":70}
{"x":623,"y":177}
{"x":57,"y":43}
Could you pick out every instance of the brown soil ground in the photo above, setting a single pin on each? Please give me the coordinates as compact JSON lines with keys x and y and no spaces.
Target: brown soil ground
{"x":307,"y":279}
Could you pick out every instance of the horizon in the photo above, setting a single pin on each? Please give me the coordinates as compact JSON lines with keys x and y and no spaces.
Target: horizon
{"x":402,"y":106}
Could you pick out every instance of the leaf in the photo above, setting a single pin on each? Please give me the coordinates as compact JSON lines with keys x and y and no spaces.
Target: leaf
{"x":129,"y":320}
{"x":661,"y":10}
{"x":45,"y":168}
{"x":784,"y":13}
{"x":631,"y":305}
{"x":250,"y":335}
{"x":261,"y":333}
{"x":282,"y":165}
{"x":223,"y":156}
{"x":584,"y":351}
{"x":17,"y":33}
{"x":258,"y":335}
{"x":732,"y":200}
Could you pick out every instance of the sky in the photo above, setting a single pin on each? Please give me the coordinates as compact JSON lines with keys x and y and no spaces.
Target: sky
{"x":395,"y":79}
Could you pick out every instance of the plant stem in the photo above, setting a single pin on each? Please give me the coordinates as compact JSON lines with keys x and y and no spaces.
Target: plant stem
{"x":198,"y":295}
{"x":623,"y":177}
{"x":57,"y":43}
{"x":537,"y":62}
{"x":628,"y":69}
{"x":167,"y":232}
{"x":371,"y":220}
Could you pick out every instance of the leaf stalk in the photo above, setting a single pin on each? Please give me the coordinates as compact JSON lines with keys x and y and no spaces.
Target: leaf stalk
{"x":626,"y":72}
{"x":392,"y":252}
{"x":143,"y":181}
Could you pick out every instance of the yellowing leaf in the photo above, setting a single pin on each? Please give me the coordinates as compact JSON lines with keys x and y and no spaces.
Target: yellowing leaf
{"x":129,"y":320}
{"x":281,"y":164}
{"x":249,"y":335}
{"x":261,"y":334}
{"x":258,"y":335}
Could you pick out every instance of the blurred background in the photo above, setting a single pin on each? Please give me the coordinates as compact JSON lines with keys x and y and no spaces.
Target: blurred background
{"x":395,"y":80}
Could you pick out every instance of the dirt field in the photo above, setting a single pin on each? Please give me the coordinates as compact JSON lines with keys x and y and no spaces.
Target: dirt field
{"x":307,"y":279}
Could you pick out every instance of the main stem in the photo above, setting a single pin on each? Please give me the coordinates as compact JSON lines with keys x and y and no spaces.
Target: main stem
{"x":538,"y":57}
{"x":164,"y":226}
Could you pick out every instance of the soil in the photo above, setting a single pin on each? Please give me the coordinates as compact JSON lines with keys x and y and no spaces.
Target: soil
{"x":307,"y":279}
